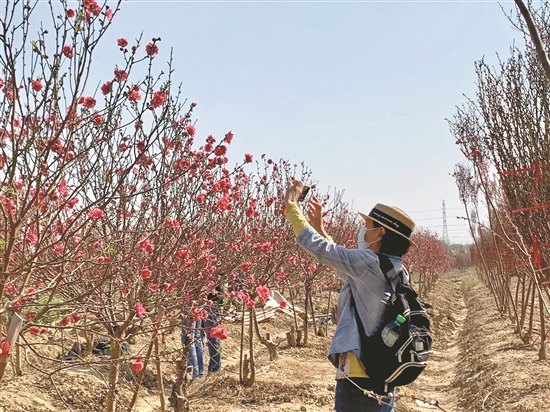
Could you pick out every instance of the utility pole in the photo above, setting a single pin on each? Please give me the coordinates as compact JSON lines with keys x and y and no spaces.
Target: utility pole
{"x":445,"y":231}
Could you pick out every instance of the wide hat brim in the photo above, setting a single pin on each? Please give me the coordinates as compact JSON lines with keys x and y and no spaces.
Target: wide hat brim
{"x":392,"y":218}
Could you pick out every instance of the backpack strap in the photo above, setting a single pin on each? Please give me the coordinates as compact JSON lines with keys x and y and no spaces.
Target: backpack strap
{"x":385,"y":266}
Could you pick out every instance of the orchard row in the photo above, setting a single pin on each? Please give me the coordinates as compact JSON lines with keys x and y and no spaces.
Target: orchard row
{"x":116,"y":220}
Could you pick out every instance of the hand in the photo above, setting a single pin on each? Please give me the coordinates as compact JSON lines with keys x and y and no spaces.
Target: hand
{"x":315,"y":216}
{"x":293,"y":192}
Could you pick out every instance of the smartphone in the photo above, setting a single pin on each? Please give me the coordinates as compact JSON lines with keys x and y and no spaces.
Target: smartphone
{"x":305,"y":191}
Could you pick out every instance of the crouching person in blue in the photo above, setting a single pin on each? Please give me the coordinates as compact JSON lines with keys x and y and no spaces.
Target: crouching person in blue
{"x":385,"y":230}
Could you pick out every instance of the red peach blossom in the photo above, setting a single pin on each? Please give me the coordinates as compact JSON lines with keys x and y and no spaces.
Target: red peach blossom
{"x":158,"y":99}
{"x":120,"y":75}
{"x":5,"y":349}
{"x":107,"y":88}
{"x":151,"y":49}
{"x":137,"y":366}
{"x":92,"y":8}
{"x":199,"y":314}
{"x":95,"y":214}
{"x":263,"y":293}
{"x":30,"y":315}
{"x":140,"y":310}
{"x":97,"y":119}
{"x":145,"y":273}
{"x":246,"y":266}
{"x":68,"y":51}
{"x":220,"y":150}
{"x":36,"y":85}
{"x":218,"y":332}
{"x":190,"y":130}
{"x":34,"y":331}
{"x":122,"y":42}
{"x":201,"y":198}
{"x":89,"y":102}
{"x":133,"y":94}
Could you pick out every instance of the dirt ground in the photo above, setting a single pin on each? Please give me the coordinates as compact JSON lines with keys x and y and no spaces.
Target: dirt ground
{"x":478,"y":364}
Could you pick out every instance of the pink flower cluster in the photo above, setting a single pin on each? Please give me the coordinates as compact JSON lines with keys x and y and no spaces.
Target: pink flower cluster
{"x":138,"y":365}
{"x":263,"y":293}
{"x":218,"y":332}
{"x":95,"y":214}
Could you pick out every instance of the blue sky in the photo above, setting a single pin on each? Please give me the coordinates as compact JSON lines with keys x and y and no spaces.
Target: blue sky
{"x":358,"y":91}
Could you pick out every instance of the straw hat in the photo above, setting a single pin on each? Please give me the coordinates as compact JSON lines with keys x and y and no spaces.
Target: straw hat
{"x":392,"y":218}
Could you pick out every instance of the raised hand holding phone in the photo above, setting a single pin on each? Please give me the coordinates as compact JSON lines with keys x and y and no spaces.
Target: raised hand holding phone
{"x":315,"y":216}
{"x":293,"y":192}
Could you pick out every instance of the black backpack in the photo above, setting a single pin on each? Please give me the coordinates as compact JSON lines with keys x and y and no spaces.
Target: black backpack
{"x":401,"y":363}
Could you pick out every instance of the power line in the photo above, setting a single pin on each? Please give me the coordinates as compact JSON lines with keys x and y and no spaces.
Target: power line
{"x":452,"y":225}
{"x":436,"y":210}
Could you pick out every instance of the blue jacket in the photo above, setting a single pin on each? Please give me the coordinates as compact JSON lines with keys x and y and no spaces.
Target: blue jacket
{"x":360,"y":270}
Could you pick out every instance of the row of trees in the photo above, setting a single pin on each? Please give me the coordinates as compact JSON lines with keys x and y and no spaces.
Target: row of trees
{"x":115,"y":220}
{"x":503,"y":134}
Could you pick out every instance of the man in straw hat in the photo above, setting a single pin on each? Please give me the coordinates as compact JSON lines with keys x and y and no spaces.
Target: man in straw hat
{"x":386,"y":230}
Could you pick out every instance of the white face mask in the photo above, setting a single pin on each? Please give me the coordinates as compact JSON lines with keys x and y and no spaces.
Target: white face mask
{"x":361,"y":242}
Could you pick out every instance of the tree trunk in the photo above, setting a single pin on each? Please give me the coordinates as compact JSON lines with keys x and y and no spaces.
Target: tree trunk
{"x":328,"y":311}
{"x":178,"y":398}
{"x":531,"y":313}
{"x":313,"y":313}
{"x":542,"y":351}
{"x":251,"y":364}
{"x":524,"y":304}
{"x":3,"y":364}
{"x":306,"y":304}
{"x":271,"y":346}
{"x":18,"y":371}
{"x":113,"y":375}
{"x":160,"y":383}
{"x":535,"y":36}
{"x":241,"y":360}
{"x":293,"y":312}
{"x":291,"y":337}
